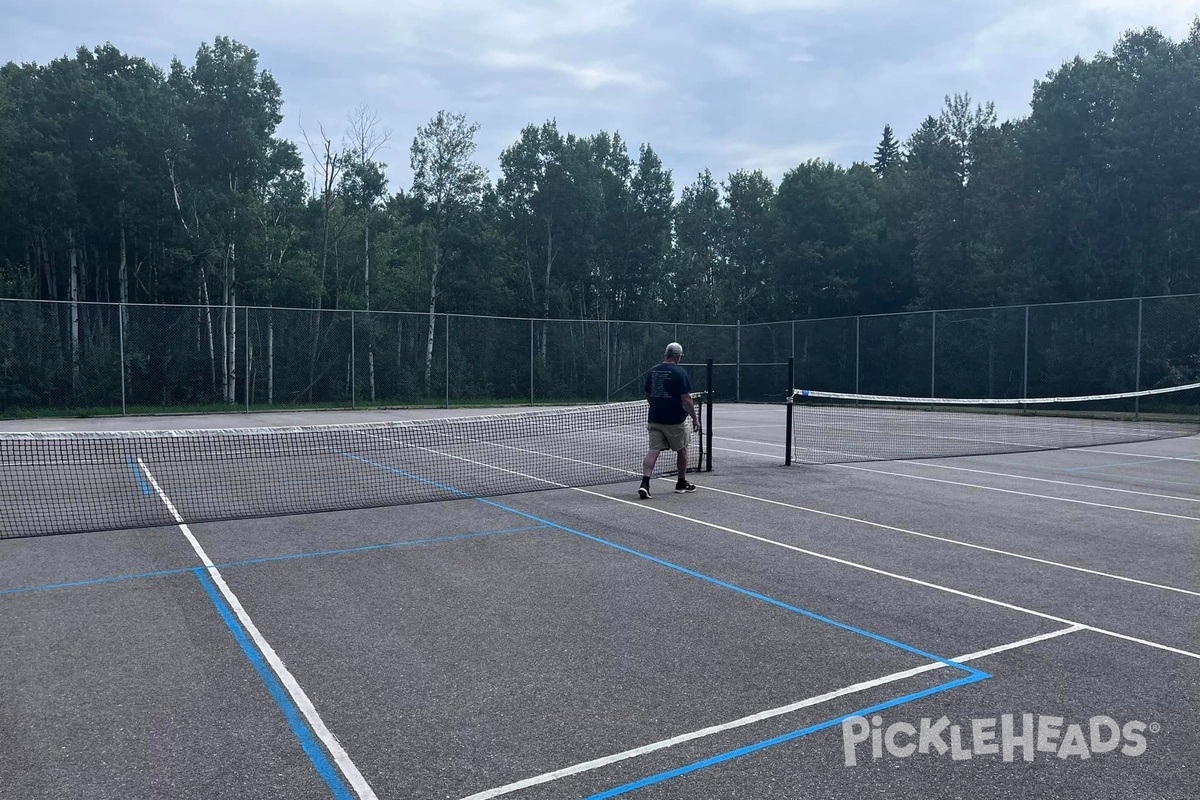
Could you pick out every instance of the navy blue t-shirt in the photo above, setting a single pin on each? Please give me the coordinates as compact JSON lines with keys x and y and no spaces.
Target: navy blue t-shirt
{"x":665,"y":384}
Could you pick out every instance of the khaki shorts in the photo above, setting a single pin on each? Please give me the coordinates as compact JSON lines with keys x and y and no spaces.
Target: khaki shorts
{"x":669,"y":437}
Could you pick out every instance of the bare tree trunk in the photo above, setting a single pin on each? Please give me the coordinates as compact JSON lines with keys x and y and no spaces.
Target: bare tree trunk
{"x":433,"y":293}
{"x":546,"y":287}
{"x":212,"y":350}
{"x":50,"y":274}
{"x":225,"y":338}
{"x":367,"y":292}
{"x":330,"y":170}
{"x":270,"y":358}
{"x":124,"y":269}
{"x":314,"y":328}
{"x":74,"y":295}
{"x":29,"y":277}
{"x":231,"y":328}
{"x":247,"y":380}
{"x":199,"y":318}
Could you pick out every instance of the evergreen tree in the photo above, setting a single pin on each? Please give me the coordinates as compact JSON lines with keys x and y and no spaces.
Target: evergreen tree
{"x":887,"y":155}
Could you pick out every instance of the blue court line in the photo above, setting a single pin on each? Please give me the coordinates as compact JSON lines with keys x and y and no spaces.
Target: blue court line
{"x":787,"y":737}
{"x":137,"y":473}
{"x":764,"y":598}
{"x":94,"y":581}
{"x":402,"y":473}
{"x":747,"y":592}
{"x":315,"y":753}
{"x":973,"y":675}
{"x":370,"y":547}
{"x":250,"y":561}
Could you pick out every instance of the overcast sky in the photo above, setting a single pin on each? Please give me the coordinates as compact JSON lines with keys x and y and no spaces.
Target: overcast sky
{"x":722,"y":84}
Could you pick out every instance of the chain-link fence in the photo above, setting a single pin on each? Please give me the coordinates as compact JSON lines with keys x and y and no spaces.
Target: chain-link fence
{"x":106,"y":358}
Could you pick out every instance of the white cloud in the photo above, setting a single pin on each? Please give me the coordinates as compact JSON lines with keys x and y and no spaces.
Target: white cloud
{"x":778,"y":6}
{"x":586,"y":75}
{"x":727,"y":84}
{"x":773,"y":159}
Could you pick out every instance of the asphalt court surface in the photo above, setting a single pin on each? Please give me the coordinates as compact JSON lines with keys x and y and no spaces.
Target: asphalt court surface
{"x":689,"y":646}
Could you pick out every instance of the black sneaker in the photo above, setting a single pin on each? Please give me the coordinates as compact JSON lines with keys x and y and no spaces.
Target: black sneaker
{"x":684,"y":486}
{"x":644,"y":491}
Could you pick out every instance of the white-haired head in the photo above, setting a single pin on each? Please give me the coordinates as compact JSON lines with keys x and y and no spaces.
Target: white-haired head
{"x":674,"y":351}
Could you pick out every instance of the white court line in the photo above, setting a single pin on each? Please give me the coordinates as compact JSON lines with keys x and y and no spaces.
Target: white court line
{"x":797,"y":448}
{"x":895,"y":575}
{"x":1022,"y":494}
{"x":1047,"y":480}
{"x":340,"y":757}
{"x":823,"y":556}
{"x":984,"y":472}
{"x":746,"y":441}
{"x":736,"y":427}
{"x":844,"y":518}
{"x":894,"y":528}
{"x":597,"y":763}
{"x":1142,"y":455}
{"x":745,"y":453}
{"x":956,"y":542}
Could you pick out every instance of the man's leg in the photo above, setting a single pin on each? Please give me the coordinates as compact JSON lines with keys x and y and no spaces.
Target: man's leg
{"x":681,"y":455}
{"x":656,"y":444}
{"x":647,"y":470}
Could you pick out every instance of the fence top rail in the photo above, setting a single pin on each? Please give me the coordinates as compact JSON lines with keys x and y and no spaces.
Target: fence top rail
{"x":216,"y":306}
{"x":919,"y":312}
{"x":725,"y":325}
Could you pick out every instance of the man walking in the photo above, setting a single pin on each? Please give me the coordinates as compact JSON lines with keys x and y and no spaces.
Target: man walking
{"x":669,"y":392}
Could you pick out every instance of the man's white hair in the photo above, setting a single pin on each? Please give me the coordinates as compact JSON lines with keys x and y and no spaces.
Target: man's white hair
{"x":674,"y":349}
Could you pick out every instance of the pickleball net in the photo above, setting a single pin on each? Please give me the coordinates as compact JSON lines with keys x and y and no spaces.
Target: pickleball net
{"x":53,"y":482}
{"x":832,"y":428}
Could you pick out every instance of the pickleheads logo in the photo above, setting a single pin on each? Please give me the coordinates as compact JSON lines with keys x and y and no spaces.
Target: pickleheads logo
{"x":1004,"y":737}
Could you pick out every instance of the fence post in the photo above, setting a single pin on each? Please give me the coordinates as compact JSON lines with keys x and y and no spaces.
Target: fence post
{"x":857,"y":352}
{"x":121,"y":336}
{"x":738,"y":382}
{"x":246,"y":339}
{"x":532,"y":362}
{"x":708,"y":411}
{"x":608,"y":361}
{"x":1025,"y":372}
{"x":933,"y":358}
{"x":353,"y":358}
{"x":1137,"y":381}
{"x":447,"y":346}
{"x":791,"y":392}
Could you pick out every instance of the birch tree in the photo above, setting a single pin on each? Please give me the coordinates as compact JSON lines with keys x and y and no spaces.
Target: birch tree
{"x":364,"y":187}
{"x":449,"y":185}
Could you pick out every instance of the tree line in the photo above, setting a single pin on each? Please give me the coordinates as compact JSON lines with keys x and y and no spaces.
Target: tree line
{"x":120,"y":181}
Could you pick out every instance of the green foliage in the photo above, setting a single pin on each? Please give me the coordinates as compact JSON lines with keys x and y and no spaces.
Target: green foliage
{"x":174,"y":187}
{"x":887,"y":155}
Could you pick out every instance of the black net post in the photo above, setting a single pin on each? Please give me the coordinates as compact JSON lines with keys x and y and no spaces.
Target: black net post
{"x":1137,"y":380}
{"x":708,"y":431}
{"x":787,"y":445}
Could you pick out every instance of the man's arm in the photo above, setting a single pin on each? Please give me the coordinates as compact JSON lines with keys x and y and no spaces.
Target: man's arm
{"x":690,"y":408}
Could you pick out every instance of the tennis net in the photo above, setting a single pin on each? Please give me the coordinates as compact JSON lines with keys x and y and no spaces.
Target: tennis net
{"x":92,"y":481}
{"x":831,"y":428}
